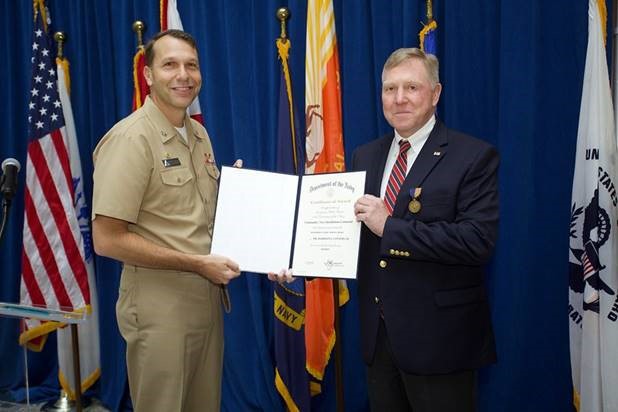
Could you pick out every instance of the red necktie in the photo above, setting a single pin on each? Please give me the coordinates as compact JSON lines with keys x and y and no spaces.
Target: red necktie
{"x":398,"y":175}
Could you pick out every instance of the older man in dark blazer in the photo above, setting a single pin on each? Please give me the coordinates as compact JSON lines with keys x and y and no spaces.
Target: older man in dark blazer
{"x":430,"y":217}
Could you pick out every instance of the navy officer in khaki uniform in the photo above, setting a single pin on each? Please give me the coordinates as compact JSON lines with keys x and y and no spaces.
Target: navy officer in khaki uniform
{"x":155,"y":187}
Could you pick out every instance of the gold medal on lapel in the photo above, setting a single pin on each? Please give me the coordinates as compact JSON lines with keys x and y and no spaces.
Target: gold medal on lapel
{"x":415,"y":205}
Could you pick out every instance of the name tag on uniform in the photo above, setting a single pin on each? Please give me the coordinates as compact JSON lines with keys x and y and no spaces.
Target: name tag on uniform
{"x":171,"y":162}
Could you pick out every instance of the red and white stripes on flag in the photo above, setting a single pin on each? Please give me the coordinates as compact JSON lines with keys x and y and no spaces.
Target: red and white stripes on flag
{"x":588,"y":268}
{"x":54,"y":273}
{"x":170,"y":19}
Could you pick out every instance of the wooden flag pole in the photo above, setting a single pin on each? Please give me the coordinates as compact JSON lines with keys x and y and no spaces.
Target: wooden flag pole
{"x":338,"y":354}
{"x":76,"y":369}
{"x":64,"y":403}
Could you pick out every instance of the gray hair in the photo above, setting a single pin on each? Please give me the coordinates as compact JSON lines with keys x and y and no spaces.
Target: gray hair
{"x":429,"y":60}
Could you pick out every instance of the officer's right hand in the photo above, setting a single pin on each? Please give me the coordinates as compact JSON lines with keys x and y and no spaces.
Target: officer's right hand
{"x":218,"y":269}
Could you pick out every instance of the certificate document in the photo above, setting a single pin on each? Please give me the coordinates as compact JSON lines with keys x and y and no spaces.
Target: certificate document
{"x":271,"y":221}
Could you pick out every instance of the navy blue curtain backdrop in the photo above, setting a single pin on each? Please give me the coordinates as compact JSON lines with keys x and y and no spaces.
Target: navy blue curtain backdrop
{"x":512,"y":74}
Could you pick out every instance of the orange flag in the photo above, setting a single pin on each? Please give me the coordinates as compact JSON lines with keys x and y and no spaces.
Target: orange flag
{"x":324,"y":147}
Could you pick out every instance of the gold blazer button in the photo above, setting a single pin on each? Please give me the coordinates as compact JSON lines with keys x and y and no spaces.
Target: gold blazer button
{"x":383,"y":264}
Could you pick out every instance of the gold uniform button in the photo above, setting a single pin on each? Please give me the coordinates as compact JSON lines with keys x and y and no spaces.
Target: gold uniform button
{"x":383,"y":264}
{"x":376,"y":300}
{"x":392,"y":251}
{"x":407,"y":254}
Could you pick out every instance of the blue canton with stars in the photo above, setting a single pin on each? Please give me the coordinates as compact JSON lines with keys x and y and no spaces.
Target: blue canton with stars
{"x":44,"y":109}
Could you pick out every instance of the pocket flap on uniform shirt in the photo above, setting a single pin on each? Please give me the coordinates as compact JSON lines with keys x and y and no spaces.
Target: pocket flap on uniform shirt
{"x":176,"y":177}
{"x":459,"y":296}
{"x":212,"y":171}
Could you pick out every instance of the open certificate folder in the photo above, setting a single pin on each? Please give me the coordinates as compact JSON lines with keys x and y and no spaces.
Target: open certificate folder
{"x":271,"y":221}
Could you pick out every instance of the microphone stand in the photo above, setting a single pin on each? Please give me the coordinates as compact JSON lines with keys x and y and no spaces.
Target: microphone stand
{"x":5,"y":213}
{"x":6,"y":205}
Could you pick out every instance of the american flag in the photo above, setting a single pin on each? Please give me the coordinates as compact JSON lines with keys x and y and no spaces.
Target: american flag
{"x":54,"y":272}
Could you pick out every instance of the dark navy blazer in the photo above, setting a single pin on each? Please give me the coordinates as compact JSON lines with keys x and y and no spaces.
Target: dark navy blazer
{"x":426,"y":272}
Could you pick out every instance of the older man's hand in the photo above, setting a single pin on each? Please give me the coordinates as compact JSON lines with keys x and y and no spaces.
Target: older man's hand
{"x":372,"y":212}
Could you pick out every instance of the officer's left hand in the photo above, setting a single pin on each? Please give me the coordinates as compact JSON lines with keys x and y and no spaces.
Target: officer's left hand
{"x":284,"y":275}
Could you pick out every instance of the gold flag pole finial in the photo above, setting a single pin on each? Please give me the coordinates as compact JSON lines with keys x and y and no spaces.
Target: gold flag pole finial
{"x":283,"y":13}
{"x":429,"y":11}
{"x":38,"y":6}
{"x":139,"y":27}
{"x":60,"y":38}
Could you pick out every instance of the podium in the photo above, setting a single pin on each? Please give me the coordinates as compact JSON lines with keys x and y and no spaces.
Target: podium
{"x":71,"y":318}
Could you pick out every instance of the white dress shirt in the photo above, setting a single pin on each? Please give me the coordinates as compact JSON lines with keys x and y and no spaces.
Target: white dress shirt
{"x":417,"y":140}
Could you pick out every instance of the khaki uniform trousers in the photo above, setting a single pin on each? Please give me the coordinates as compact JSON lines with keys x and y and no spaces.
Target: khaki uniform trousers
{"x":173,"y":325}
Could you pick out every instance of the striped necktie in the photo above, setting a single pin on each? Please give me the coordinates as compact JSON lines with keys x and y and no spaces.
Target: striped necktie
{"x":398,"y":175}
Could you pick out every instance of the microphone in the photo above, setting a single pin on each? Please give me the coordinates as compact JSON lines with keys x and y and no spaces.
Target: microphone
{"x":10,"y":167}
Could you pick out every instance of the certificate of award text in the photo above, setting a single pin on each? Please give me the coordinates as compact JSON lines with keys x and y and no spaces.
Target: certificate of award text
{"x":271,"y":221}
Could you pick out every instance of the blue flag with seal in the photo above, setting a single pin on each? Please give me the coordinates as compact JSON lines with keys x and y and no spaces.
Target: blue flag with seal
{"x":291,"y":377}
{"x":427,"y":36}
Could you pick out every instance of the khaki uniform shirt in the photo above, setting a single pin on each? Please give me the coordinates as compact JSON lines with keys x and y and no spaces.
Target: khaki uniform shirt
{"x":147,"y":175}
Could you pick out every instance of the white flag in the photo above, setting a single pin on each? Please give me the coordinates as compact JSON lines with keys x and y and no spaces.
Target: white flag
{"x":88,"y":332}
{"x":593,"y":242}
